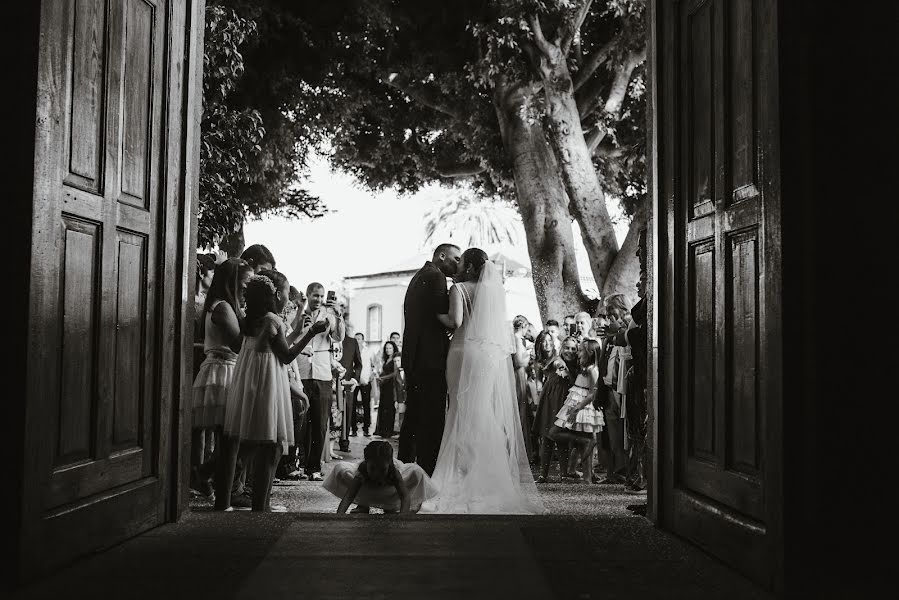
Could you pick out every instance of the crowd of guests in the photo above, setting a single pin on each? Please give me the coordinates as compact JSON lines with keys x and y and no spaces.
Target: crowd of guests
{"x":279,"y":378}
{"x":582,"y":393}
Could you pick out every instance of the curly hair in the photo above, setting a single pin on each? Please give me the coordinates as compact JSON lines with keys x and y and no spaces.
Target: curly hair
{"x":260,"y":298}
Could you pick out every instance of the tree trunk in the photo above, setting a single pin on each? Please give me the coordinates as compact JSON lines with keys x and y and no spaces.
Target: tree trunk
{"x":625,"y":270}
{"x":544,"y":209}
{"x":233,"y":243}
{"x":588,"y":202}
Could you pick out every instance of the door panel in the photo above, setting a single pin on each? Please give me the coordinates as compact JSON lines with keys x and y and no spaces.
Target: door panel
{"x":717,"y":125}
{"x":99,"y":412}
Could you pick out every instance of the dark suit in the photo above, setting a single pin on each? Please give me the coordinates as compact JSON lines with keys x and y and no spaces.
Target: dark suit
{"x":425,"y":345}
{"x":351,"y":359}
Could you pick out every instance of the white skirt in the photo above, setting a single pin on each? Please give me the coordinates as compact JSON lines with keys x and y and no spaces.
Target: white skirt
{"x":418,"y":485}
{"x":258,"y":408}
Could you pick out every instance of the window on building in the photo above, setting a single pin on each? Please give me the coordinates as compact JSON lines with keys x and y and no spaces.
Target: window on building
{"x":373,"y":322}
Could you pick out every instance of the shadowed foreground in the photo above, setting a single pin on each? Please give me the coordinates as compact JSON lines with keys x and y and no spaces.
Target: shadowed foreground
{"x":272,"y":556}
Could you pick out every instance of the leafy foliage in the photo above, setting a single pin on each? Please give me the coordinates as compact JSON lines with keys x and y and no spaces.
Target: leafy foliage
{"x":229,"y":137}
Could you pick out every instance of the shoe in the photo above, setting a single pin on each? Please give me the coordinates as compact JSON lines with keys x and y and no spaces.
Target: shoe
{"x":279,"y":508}
{"x":366,"y":434}
{"x":611,"y":481}
{"x":204,"y":488}
{"x":540,"y":479}
{"x":242,"y":501}
{"x":360,"y":509}
{"x":634,"y":490}
{"x":353,"y":434}
{"x":316,"y":477}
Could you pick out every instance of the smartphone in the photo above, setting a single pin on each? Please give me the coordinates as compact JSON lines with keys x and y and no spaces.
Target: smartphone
{"x":332,"y":296}
{"x":572,"y":329}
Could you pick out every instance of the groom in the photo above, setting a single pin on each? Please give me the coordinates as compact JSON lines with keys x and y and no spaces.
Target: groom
{"x":425,"y":345}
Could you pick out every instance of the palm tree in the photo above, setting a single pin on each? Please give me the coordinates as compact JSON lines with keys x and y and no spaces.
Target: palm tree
{"x":467,"y":220}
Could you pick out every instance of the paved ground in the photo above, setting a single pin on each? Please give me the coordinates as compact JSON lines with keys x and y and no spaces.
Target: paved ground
{"x":561,"y":498}
{"x":591,"y":546}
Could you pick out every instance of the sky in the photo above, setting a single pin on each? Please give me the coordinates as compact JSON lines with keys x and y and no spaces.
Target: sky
{"x":365,"y":232}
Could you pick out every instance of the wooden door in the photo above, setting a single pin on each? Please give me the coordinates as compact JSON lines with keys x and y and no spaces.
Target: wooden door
{"x":106,"y":275}
{"x":719,"y":174}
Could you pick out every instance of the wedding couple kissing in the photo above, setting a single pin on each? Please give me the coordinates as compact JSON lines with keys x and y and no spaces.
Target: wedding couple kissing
{"x":462,"y":422}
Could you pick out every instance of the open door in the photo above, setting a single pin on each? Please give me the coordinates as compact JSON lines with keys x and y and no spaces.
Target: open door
{"x":720,"y":317}
{"x":111,"y":228}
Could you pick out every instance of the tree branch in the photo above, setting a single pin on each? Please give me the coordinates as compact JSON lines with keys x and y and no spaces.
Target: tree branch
{"x":539,"y":39}
{"x":622,"y":79}
{"x":573,"y":26}
{"x":600,"y":56}
{"x":614,"y":100}
{"x":427,"y":97}
{"x":460,"y":170}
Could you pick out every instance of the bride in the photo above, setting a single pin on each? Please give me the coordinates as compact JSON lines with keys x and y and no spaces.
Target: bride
{"x":482,"y":467}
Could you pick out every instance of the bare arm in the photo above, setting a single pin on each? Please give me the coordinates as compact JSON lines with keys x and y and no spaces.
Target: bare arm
{"x":225,"y":318}
{"x":453,"y":320}
{"x":350,"y":495}
{"x":521,"y":356}
{"x":403,"y":493}
{"x":288,"y":354}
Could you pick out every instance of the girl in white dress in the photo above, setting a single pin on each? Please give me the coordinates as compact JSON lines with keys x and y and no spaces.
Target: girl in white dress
{"x":220,"y":329}
{"x":258,"y":412}
{"x":379,"y":481}
{"x":578,"y":422}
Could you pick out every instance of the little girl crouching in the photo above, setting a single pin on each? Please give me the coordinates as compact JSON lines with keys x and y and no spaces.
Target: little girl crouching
{"x":380,"y":481}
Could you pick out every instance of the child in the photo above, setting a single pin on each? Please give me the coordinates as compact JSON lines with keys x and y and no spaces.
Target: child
{"x":578,"y":421}
{"x":258,"y":413}
{"x":380,"y":481}
{"x":220,"y":330}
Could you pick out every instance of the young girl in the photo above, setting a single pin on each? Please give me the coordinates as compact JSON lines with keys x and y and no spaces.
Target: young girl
{"x":220,"y":331}
{"x":578,"y":422}
{"x":380,"y":481}
{"x":258,"y":414}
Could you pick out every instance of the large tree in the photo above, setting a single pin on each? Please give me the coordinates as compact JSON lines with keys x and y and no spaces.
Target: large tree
{"x":539,"y":102}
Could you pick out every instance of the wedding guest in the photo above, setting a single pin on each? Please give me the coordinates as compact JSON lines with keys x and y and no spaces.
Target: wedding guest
{"x":520,"y":359}
{"x":220,"y":327}
{"x":386,"y":379}
{"x":351,"y":360}
{"x":578,"y":422}
{"x":552,"y":326}
{"x":616,"y":307}
{"x":362,"y":395}
{"x":569,"y":326}
{"x":399,"y":391}
{"x":205,"y":270}
{"x":397,"y":339}
{"x":291,"y":465}
{"x":379,"y":481}
{"x":258,"y":414}
{"x":315,"y":371}
{"x":558,"y":373}
{"x":259,"y":257}
{"x":335,"y":411}
{"x":584,"y":323}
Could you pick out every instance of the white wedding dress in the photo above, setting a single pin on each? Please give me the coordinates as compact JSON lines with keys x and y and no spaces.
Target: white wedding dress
{"x":482,"y":467}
